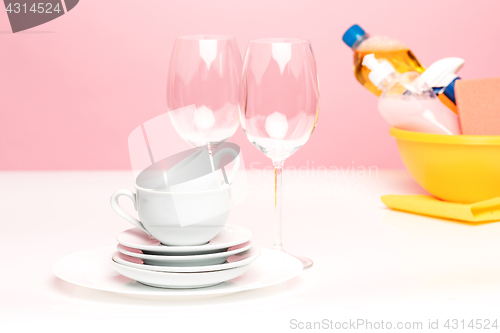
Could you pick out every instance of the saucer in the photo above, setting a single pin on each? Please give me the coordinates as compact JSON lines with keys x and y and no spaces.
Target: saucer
{"x":178,"y":280}
{"x":185,"y":260}
{"x":230,"y":235}
{"x":234,"y":261}
{"x":91,"y":269}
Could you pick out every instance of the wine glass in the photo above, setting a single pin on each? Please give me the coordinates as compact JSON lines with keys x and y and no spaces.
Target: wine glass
{"x":279,"y":105}
{"x":203,"y":89}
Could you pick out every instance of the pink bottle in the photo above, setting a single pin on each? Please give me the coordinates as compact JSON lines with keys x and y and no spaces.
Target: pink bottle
{"x":407,"y":102}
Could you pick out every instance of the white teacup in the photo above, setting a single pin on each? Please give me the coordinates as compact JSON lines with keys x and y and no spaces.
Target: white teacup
{"x":178,"y":218}
{"x":183,"y":177}
{"x":191,"y":171}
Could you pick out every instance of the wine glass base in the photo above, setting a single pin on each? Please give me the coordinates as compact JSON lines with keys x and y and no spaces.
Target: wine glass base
{"x":306,"y":262}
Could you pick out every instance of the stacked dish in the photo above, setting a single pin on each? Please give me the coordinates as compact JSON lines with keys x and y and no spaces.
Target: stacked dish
{"x":144,"y":259}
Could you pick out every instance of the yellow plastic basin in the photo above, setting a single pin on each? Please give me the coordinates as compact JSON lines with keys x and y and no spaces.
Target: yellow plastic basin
{"x":457,"y":168}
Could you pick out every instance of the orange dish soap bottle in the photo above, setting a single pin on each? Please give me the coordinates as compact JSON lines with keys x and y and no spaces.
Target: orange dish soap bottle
{"x":395,"y":52}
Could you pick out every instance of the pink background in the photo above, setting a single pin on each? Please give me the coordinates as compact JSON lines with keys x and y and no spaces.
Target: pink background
{"x":72,"y":89}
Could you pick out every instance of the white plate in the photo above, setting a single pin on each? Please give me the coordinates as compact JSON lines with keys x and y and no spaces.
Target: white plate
{"x":91,"y":269}
{"x":230,"y":235}
{"x":237,"y":260}
{"x":187,"y":260}
{"x":179,"y":280}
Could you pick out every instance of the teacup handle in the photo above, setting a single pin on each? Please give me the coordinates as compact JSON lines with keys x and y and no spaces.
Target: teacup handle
{"x":236,"y":166}
{"x":116,"y":207}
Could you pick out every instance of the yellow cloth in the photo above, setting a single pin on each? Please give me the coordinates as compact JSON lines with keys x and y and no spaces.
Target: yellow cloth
{"x":483,"y":211}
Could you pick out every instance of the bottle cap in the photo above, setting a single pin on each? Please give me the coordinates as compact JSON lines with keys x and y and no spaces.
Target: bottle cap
{"x":379,"y":70}
{"x":352,"y":35}
{"x":442,"y":72}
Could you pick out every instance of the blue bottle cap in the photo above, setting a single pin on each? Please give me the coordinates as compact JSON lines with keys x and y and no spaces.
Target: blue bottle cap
{"x":449,"y":91}
{"x":353,"y":34}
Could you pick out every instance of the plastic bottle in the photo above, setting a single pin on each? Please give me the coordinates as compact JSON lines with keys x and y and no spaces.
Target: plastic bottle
{"x":407,"y":102}
{"x":397,"y":53}
{"x":441,"y":76}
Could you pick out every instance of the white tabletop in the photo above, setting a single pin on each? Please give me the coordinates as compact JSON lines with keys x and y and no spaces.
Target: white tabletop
{"x":370,"y":263}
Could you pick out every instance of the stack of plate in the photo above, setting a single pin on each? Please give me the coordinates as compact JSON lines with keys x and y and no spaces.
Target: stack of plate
{"x":146,"y":260}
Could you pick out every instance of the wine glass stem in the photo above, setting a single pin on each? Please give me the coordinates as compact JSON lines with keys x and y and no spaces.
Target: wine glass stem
{"x":278,"y":173}
{"x":210,"y":156}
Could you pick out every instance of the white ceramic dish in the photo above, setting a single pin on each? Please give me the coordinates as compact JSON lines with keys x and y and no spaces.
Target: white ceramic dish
{"x":186,"y":260}
{"x":234,"y":261}
{"x":230,"y":235}
{"x":91,"y":269}
{"x":178,"y":280}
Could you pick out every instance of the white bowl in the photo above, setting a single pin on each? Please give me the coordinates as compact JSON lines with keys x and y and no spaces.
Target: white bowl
{"x":178,"y":280}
